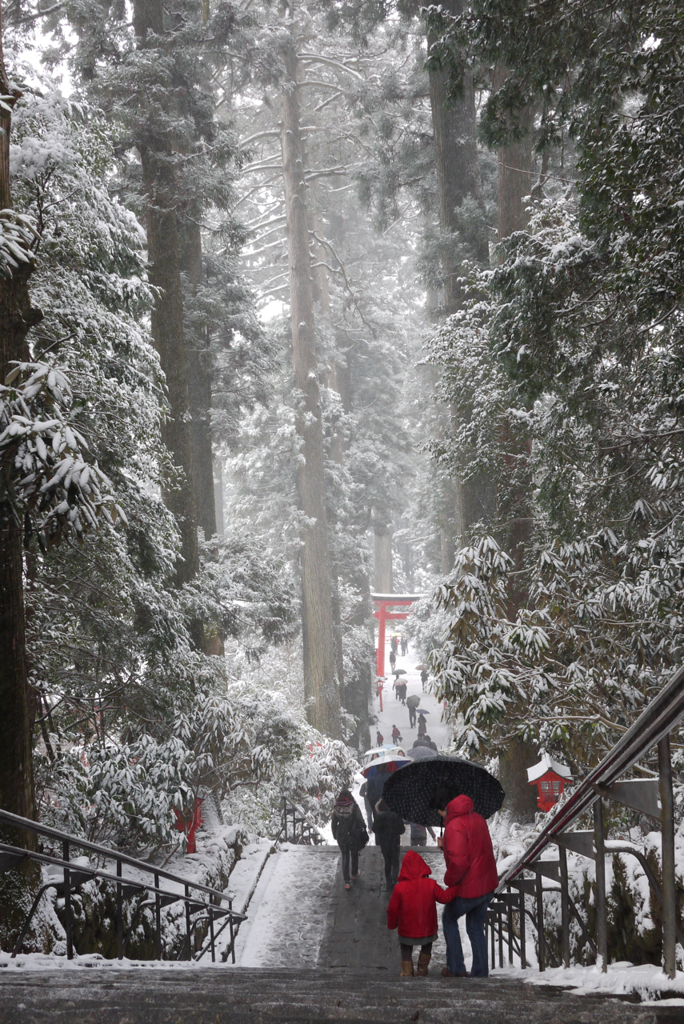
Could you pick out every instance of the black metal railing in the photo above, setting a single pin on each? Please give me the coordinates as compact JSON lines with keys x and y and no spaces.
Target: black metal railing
{"x":650,"y":796}
{"x":201,"y":902}
{"x":295,"y":827}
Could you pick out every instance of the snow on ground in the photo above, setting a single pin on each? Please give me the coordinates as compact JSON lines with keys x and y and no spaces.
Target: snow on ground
{"x":621,"y":979}
{"x":395,"y":713}
{"x":289,"y":909}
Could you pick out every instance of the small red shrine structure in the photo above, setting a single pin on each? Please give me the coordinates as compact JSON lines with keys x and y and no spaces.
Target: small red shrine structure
{"x":384,"y":602}
{"x":549,"y":777}
{"x":188,"y":823}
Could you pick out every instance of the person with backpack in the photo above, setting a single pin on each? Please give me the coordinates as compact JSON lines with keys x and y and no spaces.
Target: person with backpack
{"x":349,"y":832}
{"x":388,"y":828}
{"x":413,"y":912}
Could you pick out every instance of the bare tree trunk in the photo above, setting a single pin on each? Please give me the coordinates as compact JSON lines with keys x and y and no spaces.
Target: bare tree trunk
{"x":317,"y":614}
{"x":458,"y":174}
{"x":383,"y":582}
{"x":458,"y":178}
{"x":17,"y":795}
{"x":199,"y":387}
{"x":167,"y":317}
{"x":515,"y":163}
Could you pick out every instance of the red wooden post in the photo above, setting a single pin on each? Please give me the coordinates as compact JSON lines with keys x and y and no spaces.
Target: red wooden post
{"x":380,"y":659}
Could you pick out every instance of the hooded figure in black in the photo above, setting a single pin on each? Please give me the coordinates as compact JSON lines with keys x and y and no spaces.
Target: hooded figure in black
{"x":388,"y":828}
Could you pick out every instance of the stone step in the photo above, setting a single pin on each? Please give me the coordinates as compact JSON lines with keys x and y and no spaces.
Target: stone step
{"x":109,"y":995}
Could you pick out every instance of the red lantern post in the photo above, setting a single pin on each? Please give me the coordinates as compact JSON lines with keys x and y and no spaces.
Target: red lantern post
{"x":189,"y":824}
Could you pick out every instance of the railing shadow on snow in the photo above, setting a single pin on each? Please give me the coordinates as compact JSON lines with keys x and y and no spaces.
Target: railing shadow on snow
{"x":650,"y":796}
{"x":201,"y":902}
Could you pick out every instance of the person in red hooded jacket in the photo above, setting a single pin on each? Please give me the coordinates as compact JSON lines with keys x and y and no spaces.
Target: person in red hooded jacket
{"x":412,"y":910}
{"x":471,"y":871}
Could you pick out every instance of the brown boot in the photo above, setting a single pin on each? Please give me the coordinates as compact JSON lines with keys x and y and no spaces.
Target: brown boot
{"x":406,"y":969}
{"x":423,"y":962}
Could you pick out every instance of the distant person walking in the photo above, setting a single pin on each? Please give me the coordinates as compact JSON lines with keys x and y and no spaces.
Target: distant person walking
{"x":412,"y":703}
{"x":422,"y":728}
{"x":412,"y":911}
{"x":394,"y":646}
{"x":471,"y":870}
{"x":349,"y":832}
{"x":423,"y":677}
{"x":393,"y":660}
{"x":401,"y":690}
{"x":396,"y":735}
{"x":404,"y":646}
{"x":388,"y":828}
{"x":379,"y":738}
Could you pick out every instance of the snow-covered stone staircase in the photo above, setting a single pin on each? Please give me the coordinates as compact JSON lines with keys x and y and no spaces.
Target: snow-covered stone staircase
{"x":314,"y":953}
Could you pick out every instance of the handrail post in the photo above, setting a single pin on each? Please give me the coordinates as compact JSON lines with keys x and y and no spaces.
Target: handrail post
{"x":232,"y":934}
{"x":67,"y":903}
{"x":601,"y":912}
{"x":492,"y":937}
{"x":523,"y":936}
{"x":540,"y":920}
{"x":565,"y":906}
{"x":499,"y":919}
{"x":509,"y":925}
{"x":119,"y":912}
{"x":157,"y":917}
{"x":211,"y":932}
{"x":188,"y":925}
{"x":668,"y":858}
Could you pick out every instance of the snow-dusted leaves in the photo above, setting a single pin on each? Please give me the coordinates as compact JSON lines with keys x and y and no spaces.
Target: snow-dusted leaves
{"x":44,"y":457}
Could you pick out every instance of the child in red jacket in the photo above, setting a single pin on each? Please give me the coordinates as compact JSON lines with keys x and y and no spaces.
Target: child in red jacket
{"x":412,"y":910}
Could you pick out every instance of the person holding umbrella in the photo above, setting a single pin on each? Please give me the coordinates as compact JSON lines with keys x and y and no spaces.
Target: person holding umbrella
{"x":471,"y":871}
{"x":412,"y":703}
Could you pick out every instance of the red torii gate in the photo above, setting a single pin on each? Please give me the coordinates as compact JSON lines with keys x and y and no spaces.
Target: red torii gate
{"x":382,"y":603}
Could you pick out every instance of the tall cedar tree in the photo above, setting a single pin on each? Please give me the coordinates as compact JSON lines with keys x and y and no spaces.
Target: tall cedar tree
{"x":159,"y":183}
{"x":320,"y":685}
{"x":17,"y":316}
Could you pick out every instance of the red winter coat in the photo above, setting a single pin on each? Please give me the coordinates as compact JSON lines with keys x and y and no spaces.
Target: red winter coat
{"x":467,"y":847}
{"x":412,"y":906}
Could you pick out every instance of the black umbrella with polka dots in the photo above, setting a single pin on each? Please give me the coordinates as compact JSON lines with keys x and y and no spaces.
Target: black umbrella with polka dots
{"x":411,"y":790}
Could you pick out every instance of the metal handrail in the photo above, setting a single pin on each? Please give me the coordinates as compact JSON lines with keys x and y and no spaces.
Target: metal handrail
{"x":653,"y":727}
{"x":307,"y":831}
{"x":103,"y":851}
{"x":75,"y":876}
{"x":656,"y":721}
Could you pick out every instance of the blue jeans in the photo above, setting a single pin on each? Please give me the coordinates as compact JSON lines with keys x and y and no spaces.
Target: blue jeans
{"x":475,"y":911}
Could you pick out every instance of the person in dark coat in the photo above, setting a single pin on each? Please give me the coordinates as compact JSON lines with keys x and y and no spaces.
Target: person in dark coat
{"x":412,"y":910}
{"x":422,"y":727}
{"x":393,"y":660}
{"x":350,"y":834}
{"x":404,"y":646}
{"x":379,"y":738}
{"x":471,"y":870}
{"x":388,"y":827}
{"x":367,"y":804}
{"x":423,"y":677}
{"x":374,"y":787}
{"x":419,"y":834}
